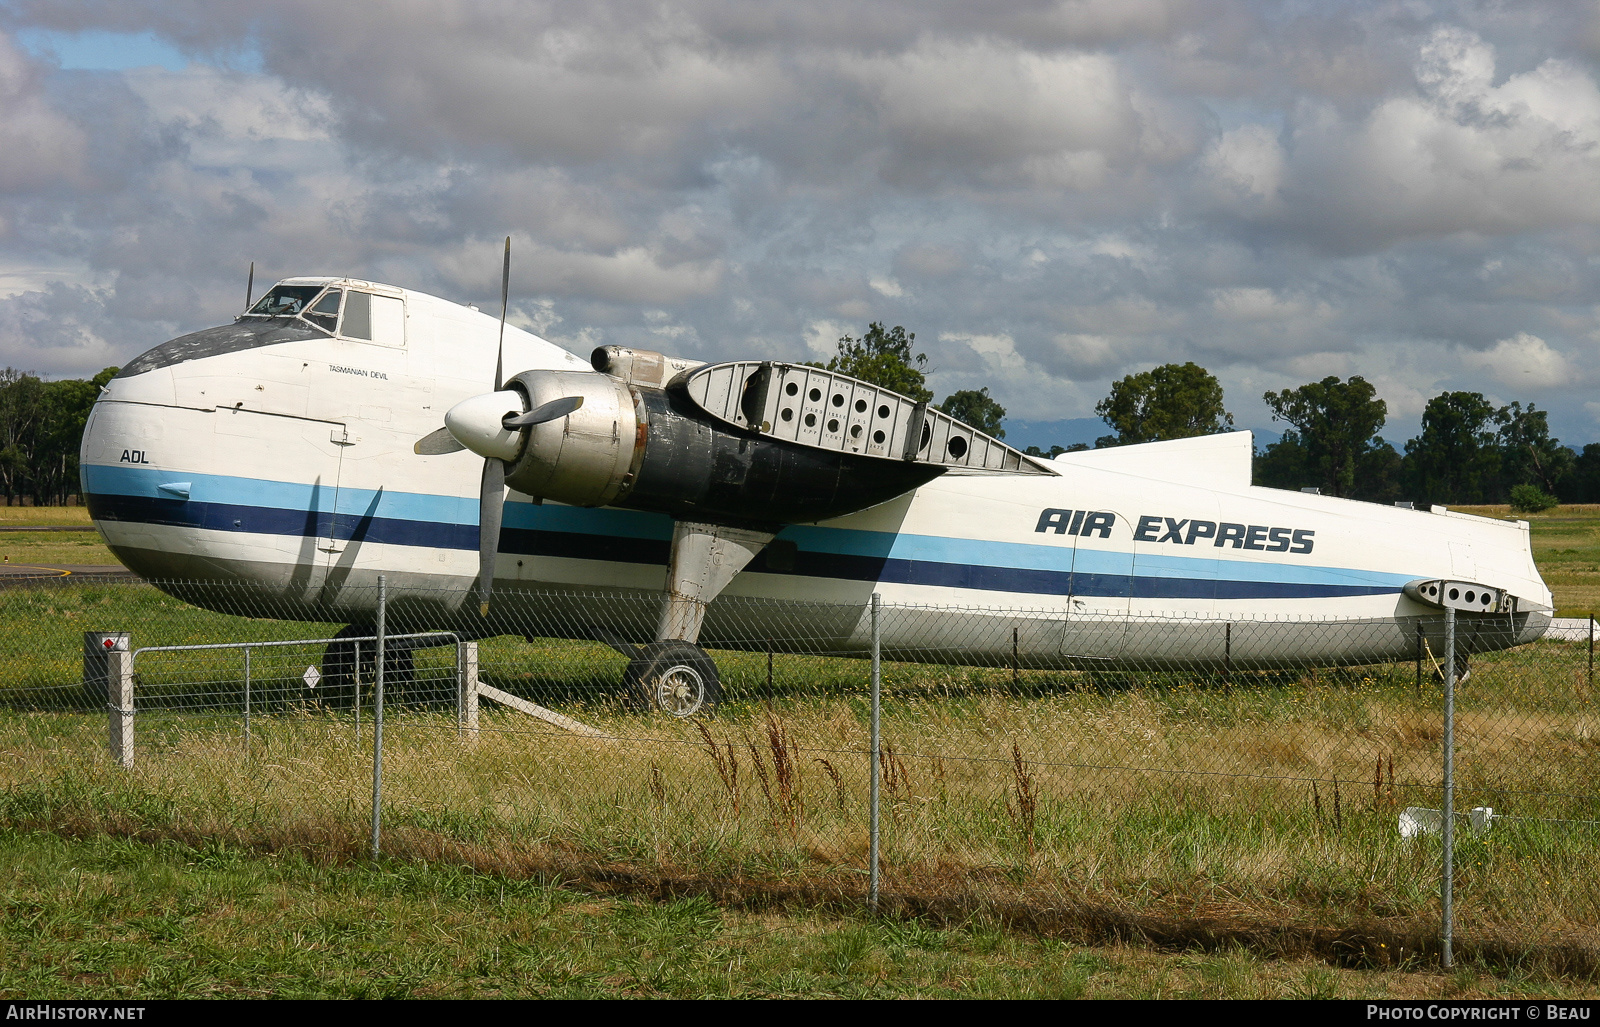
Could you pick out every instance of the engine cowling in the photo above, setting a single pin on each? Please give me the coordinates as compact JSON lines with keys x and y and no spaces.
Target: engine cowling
{"x":586,"y":458}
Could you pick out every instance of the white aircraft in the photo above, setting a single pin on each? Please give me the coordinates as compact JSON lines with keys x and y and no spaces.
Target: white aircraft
{"x":340,"y":429}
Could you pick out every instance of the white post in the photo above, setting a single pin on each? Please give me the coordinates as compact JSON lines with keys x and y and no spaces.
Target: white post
{"x":467,"y":690}
{"x":119,"y":706}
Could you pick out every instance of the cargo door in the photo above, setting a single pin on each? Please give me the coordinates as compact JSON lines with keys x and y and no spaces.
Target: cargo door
{"x":1102,"y":582}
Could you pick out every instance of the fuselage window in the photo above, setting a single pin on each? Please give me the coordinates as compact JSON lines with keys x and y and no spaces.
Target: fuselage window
{"x":325,"y":314}
{"x":285,"y":300}
{"x":358,"y":317}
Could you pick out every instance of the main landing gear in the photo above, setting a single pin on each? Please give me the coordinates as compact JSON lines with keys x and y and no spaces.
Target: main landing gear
{"x":347,"y":664}
{"x":672,"y":676}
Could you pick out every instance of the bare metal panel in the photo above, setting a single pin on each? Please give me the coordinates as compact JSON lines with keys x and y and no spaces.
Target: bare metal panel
{"x":835,"y":412}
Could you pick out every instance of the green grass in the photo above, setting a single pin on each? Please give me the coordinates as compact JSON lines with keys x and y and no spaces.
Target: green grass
{"x":115,"y":918}
{"x":1174,"y":810}
{"x":1157,"y":806}
{"x":1154,"y":797}
{"x":44,"y":515}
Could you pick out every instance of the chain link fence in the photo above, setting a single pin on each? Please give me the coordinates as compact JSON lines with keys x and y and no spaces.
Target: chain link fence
{"x":1258,"y":780}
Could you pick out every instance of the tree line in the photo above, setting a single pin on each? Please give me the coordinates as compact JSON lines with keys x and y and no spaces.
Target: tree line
{"x":1468,"y":452}
{"x":41,"y":427}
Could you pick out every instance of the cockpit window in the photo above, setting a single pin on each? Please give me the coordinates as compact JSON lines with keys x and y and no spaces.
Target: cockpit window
{"x":286,"y":301}
{"x":325,"y":314}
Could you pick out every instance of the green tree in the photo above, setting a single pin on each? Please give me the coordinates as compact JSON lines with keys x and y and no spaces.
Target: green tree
{"x":41,"y":430}
{"x":1528,"y":455}
{"x":976,"y":409}
{"x":1531,"y":499}
{"x":883,"y":356}
{"x":21,"y":414}
{"x":1456,"y":459}
{"x":1173,"y":401}
{"x":1283,"y":464}
{"x":1335,"y":427}
{"x":1583,"y":484}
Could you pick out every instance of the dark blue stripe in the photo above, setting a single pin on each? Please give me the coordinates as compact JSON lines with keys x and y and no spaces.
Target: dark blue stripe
{"x":579,"y":545}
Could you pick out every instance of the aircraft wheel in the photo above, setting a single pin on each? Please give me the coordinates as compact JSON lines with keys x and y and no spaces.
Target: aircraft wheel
{"x":337,"y":689}
{"x":674,"y":677}
{"x":1463,"y":669}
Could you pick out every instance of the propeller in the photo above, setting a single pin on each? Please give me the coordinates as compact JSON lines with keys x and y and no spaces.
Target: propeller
{"x":492,"y":488}
{"x":550,"y":411}
{"x":491,"y":426}
{"x":437,"y":443}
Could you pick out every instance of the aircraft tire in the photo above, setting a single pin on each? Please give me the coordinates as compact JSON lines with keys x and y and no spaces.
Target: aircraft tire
{"x":674,"y":677}
{"x":337,"y":689}
{"x":1463,"y":669}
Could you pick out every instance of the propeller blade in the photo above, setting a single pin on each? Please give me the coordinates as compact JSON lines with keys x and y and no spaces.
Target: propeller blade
{"x":250,"y":286}
{"x":491,"y":505}
{"x":437,"y":443}
{"x":505,"y":295}
{"x":553,"y":410}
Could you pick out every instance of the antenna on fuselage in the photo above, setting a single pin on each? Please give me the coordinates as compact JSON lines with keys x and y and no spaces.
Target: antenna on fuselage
{"x":250,"y":286}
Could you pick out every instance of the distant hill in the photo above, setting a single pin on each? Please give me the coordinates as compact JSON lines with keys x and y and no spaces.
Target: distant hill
{"x":1073,"y":430}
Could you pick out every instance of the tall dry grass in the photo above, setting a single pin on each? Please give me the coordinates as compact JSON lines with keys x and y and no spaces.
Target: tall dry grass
{"x":1271,"y":806}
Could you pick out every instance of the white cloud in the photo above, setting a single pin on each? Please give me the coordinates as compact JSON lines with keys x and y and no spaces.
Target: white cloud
{"x":1246,"y":166}
{"x":38,"y":145}
{"x":1526,"y":361}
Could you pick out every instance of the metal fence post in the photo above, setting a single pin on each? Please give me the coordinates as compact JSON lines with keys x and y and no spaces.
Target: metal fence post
{"x":467,"y":689}
{"x":1446,"y":893}
{"x":1227,"y":659}
{"x":377,"y":721}
{"x":247,"y":700}
{"x":119,"y":706}
{"x":872,"y":799}
{"x":1419,"y":658}
{"x":1591,"y":652}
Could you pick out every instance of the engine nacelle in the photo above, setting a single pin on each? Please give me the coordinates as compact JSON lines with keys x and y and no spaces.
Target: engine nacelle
{"x":587,"y":458}
{"x":656,"y":449}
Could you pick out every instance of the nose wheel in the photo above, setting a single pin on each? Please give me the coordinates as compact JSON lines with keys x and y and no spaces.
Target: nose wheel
{"x":674,"y":677}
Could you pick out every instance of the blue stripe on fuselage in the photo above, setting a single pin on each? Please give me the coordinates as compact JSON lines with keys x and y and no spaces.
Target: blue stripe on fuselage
{"x":226,"y":503}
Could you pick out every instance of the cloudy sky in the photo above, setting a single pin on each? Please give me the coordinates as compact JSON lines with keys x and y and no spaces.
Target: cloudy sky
{"x":1050,"y":193}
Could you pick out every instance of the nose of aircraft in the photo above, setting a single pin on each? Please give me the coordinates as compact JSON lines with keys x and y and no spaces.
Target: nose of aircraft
{"x":478,"y":424}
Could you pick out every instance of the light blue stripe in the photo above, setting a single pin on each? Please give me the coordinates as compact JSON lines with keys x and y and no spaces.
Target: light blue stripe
{"x":282,"y":495}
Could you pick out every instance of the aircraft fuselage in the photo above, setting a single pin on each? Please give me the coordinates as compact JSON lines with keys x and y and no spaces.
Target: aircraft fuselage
{"x":279,"y":458}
